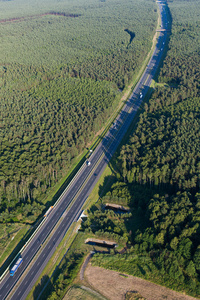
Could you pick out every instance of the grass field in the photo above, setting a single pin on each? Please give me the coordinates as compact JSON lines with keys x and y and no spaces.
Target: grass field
{"x":119,"y":286}
{"x":9,"y":237}
{"x":77,"y":293}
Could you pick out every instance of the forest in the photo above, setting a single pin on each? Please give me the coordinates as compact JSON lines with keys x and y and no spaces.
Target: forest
{"x":60,"y":80}
{"x":158,"y":172}
{"x":57,"y":91}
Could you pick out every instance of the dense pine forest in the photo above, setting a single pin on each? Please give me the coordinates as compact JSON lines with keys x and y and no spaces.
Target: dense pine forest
{"x":158,"y":176}
{"x":159,"y":172}
{"x":63,"y":67}
{"x":60,"y":79}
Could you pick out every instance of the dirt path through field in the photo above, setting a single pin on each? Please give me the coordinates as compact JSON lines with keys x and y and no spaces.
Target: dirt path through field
{"x":114,"y":285}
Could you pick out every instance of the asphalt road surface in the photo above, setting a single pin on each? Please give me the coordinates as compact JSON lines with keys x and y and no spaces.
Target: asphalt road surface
{"x":68,"y":209}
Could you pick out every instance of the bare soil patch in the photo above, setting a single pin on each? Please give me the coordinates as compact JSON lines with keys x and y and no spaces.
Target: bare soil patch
{"x":114,"y":286}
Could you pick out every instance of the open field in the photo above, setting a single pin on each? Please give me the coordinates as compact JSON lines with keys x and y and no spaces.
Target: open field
{"x":114,"y":286}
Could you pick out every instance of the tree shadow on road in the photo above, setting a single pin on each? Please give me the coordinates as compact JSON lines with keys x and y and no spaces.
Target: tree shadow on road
{"x":37,"y":293}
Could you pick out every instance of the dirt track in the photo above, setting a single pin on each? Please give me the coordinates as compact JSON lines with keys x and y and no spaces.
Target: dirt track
{"x":114,"y":286}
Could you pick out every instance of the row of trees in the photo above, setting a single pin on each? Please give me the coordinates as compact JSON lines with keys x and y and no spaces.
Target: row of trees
{"x":62,"y":277}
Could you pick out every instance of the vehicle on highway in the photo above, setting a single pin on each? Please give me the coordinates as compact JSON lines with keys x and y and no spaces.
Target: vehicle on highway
{"x":141,"y":95}
{"x":48,"y":211}
{"x":88,"y":163}
{"x":16,"y":266}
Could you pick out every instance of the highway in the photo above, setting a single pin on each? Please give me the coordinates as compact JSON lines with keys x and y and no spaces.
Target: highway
{"x":68,"y":209}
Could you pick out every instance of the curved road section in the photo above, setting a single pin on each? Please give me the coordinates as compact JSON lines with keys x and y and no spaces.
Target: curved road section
{"x":69,"y":206}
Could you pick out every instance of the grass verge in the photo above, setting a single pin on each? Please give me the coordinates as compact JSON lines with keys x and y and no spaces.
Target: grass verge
{"x":14,"y":241}
{"x":79,"y":292}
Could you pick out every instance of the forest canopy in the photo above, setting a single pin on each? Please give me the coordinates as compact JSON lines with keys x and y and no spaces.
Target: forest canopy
{"x":60,"y":79}
{"x":159,"y":170}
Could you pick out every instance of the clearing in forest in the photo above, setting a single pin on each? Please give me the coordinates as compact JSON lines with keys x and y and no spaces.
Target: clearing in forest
{"x":114,"y":286}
